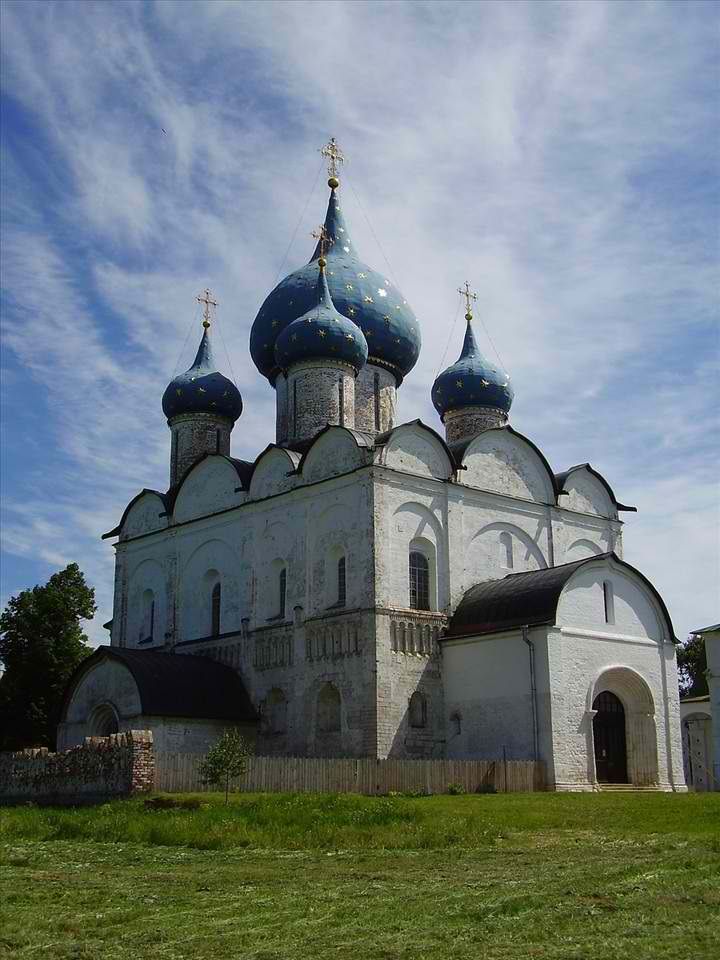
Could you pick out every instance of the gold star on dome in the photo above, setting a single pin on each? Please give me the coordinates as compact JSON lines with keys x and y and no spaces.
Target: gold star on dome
{"x":346,"y":249}
{"x":349,"y":336}
{"x":348,"y":286}
{"x":321,"y":333}
{"x":213,"y":404}
{"x":361,"y":276}
{"x":368,"y":299}
{"x":178,"y":392}
{"x":459,"y":383}
{"x":397,"y":339}
{"x":275,"y":323}
{"x":485,"y":383}
{"x":293,"y":337}
{"x":386,"y":318}
{"x":201,"y":390}
{"x":226,"y":394}
{"x":341,"y":229}
{"x":398,"y":307}
{"x":290,"y":302}
{"x":351,"y":311}
{"x":192,"y":379}
{"x":368,"y":333}
{"x":381,"y":292}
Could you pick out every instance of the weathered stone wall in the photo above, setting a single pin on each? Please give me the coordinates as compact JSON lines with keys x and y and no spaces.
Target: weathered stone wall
{"x":103,"y":767}
{"x":194,"y":434}
{"x":319,"y":393}
{"x":467,"y":422}
{"x":375,"y":400}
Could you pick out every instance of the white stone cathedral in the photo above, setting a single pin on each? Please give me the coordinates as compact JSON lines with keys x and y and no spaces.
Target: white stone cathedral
{"x":373,"y":589}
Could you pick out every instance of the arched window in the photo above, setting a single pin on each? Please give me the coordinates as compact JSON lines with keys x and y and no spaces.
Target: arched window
{"x":103,"y":721}
{"x":215,"y":603}
{"x":418,"y":710}
{"x":341,"y":583}
{"x":147,"y":628}
{"x":328,"y":709}
{"x":609,"y":601}
{"x":419,"y":581}
{"x":276,"y":712}
{"x":506,"y":550}
{"x":282,"y":592}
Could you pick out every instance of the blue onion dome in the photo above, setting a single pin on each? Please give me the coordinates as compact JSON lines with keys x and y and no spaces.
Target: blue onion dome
{"x":361,"y":294}
{"x":202,"y":388}
{"x":321,"y":334}
{"x":472,"y":381}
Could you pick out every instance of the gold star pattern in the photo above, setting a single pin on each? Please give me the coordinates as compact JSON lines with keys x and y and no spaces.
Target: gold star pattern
{"x":348,"y":286}
{"x":275,"y":323}
{"x":349,"y":336}
{"x":398,"y":307}
{"x":368,"y":333}
{"x":386,"y":318}
{"x":362,"y":276}
{"x":368,"y":299}
{"x":381,"y":292}
{"x":485,"y":383}
{"x":294,"y":337}
{"x":459,"y":383}
{"x":346,"y":249}
{"x":178,"y":392}
{"x":351,"y":311}
{"x":397,"y":339}
{"x":201,"y":390}
{"x":321,"y":333}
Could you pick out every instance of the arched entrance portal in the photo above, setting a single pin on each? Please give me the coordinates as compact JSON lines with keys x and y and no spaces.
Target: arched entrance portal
{"x":103,"y":721}
{"x":609,"y":739}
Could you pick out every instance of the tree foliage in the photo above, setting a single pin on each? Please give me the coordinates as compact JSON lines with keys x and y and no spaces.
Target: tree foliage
{"x":225,"y":760}
{"x":41,"y":643}
{"x":692,"y":664}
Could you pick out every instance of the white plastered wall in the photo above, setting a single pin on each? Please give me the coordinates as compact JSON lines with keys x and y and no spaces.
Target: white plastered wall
{"x":632,"y":657}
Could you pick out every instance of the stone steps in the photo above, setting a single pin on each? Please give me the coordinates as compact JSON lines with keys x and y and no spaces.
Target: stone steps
{"x":626,"y":788}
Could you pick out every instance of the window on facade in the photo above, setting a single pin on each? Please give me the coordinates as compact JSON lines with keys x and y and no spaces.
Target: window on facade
{"x":609,"y":602}
{"x":147,"y":628}
{"x":328,"y":709}
{"x":276,"y":712}
{"x":341,"y":583}
{"x":215,"y":604}
{"x":341,"y":401}
{"x":376,"y":397}
{"x":282,"y":591}
{"x":506,"y":550}
{"x":419,"y":581}
{"x":418,"y":710}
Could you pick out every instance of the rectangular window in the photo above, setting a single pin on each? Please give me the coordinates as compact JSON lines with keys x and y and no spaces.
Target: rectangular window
{"x":283,"y":590}
{"x":419,"y":581}
{"x":341,"y":400}
{"x":609,"y":601}
{"x":294,"y":420}
{"x":376,"y":390}
{"x":341,"y":582}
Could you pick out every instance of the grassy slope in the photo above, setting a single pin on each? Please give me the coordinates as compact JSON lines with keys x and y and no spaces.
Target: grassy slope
{"x":513,"y":876}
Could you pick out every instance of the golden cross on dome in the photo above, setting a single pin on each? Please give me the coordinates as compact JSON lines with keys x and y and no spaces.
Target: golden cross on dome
{"x":468,"y":297}
{"x":324,"y":240}
{"x":209,"y":302}
{"x":335,"y":158}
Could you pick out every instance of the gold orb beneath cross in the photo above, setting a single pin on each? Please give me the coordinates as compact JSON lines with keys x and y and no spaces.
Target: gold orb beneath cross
{"x":333,"y":183}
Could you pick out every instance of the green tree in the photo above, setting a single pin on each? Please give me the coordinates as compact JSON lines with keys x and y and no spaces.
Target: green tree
{"x":692,"y":664}
{"x":225,"y":760}
{"x":41,"y":643}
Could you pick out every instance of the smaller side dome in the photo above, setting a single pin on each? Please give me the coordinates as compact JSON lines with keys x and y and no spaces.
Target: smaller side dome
{"x":321,"y":334}
{"x":472,"y":381}
{"x":202,"y":388}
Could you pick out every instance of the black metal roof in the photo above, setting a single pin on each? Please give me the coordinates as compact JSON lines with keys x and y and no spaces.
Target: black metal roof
{"x":525,"y":599}
{"x":176,"y":685}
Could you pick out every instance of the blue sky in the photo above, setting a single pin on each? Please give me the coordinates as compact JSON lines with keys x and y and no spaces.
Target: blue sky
{"x":560,"y":156}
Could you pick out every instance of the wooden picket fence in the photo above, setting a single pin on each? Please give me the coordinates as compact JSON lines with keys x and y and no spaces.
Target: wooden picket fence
{"x":179,"y":773}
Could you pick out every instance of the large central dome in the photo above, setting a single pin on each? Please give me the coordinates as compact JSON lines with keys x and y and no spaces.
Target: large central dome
{"x":361,"y":294}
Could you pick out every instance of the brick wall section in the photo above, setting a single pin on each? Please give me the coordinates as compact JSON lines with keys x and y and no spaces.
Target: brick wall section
{"x":103,"y":767}
{"x":468,"y":422}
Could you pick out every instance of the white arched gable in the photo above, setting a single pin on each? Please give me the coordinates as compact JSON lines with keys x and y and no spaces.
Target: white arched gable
{"x":413,"y":448}
{"x":581,"y":549}
{"x":334,"y":452}
{"x":144,"y":515}
{"x":148,"y":576}
{"x":208,"y":488}
{"x":634,"y":608}
{"x":214,"y":561}
{"x":271,"y":473}
{"x":585,"y":493}
{"x":504,"y":462}
{"x":499,"y":549}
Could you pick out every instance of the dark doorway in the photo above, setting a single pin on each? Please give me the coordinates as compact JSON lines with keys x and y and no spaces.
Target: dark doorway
{"x":609,"y":739}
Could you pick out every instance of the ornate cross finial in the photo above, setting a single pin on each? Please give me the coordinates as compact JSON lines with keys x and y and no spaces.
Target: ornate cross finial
{"x":324,"y":240}
{"x":209,"y":302}
{"x":335,"y":158}
{"x":465,"y":292}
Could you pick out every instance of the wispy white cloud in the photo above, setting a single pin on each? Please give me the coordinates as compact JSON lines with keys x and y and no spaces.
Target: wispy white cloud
{"x":557,"y":155}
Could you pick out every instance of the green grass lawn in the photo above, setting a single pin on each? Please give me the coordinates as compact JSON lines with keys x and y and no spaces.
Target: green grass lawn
{"x":282,"y":876}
